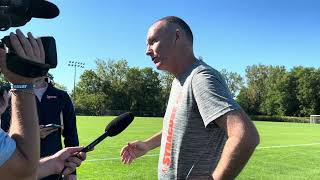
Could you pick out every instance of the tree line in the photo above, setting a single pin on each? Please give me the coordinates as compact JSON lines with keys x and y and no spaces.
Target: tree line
{"x":114,"y":87}
{"x":273,"y":90}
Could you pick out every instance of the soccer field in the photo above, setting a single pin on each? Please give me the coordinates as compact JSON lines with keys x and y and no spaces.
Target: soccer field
{"x":287,"y":151}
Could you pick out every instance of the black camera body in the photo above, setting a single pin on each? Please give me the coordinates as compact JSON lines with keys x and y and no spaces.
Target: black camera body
{"x":29,"y":68}
{"x":15,"y":13}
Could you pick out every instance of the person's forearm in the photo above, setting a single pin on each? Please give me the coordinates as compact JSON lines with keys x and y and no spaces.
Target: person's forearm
{"x":46,"y":167}
{"x":154,"y":141}
{"x":235,"y":155}
{"x":25,"y":130}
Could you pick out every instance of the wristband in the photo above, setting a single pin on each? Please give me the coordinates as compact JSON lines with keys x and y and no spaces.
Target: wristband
{"x":14,"y":91}
{"x":23,"y":86}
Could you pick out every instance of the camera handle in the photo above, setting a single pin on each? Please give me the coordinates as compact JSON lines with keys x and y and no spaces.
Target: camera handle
{"x":25,"y":67}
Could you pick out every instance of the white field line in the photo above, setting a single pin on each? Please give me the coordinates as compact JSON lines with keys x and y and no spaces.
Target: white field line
{"x":284,"y":146}
{"x":263,"y":147}
{"x":117,"y":158}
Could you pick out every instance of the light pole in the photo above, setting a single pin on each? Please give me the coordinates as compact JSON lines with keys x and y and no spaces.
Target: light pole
{"x":75,"y":64}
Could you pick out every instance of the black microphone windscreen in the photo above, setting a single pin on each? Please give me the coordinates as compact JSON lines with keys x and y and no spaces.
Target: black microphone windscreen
{"x":119,"y":124}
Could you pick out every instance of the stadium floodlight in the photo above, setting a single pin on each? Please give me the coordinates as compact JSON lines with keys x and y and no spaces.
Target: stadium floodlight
{"x":75,"y":64}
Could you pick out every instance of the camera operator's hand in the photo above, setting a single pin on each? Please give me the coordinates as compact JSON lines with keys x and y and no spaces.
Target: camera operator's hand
{"x":31,"y":49}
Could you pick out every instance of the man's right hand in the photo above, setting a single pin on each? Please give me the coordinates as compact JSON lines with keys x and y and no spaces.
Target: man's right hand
{"x":31,"y":49}
{"x":133,"y":150}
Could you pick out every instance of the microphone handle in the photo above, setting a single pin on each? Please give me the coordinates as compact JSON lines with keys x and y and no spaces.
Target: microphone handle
{"x":95,"y":142}
{"x":86,"y":149}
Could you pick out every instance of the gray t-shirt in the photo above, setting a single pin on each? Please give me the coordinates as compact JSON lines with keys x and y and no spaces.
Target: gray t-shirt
{"x":192,"y":143}
{"x":7,"y":147}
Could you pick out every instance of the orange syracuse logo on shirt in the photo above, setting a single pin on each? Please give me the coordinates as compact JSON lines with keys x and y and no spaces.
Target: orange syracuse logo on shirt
{"x":166,"y":161}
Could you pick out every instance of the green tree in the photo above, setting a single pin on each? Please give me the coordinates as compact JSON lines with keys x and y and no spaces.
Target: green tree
{"x":308,"y":90}
{"x":276,"y":93}
{"x":135,"y":85}
{"x":234,"y":81}
{"x":272,"y":90}
{"x":144,"y":90}
{"x":90,"y":83}
{"x":244,"y":100}
{"x":256,"y":78}
{"x":91,"y":104}
{"x":151,"y":91}
{"x":3,"y":80}
{"x":165,"y":83}
{"x":92,"y":94}
{"x":114,"y":72}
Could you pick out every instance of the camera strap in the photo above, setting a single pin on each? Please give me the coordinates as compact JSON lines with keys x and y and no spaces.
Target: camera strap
{"x":25,"y":67}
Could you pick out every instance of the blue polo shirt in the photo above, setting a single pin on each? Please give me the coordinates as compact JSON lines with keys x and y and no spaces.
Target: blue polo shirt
{"x":7,"y":147}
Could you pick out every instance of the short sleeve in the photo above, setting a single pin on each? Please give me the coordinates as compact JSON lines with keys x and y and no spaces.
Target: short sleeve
{"x":212,"y":95}
{"x":7,"y":147}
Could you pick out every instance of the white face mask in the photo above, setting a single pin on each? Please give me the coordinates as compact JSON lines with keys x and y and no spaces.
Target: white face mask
{"x":41,"y":82}
{"x":40,"y":91}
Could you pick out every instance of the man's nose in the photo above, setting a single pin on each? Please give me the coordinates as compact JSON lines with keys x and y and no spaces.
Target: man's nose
{"x":148,"y":51}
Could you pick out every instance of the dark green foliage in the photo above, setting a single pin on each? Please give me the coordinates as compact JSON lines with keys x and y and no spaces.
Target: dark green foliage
{"x":233,"y":80}
{"x":272,"y":90}
{"x":2,"y":79}
{"x":115,"y":88}
{"x":281,"y":119}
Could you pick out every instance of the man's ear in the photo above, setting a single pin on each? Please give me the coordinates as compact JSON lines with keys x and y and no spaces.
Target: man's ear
{"x":178,"y":34}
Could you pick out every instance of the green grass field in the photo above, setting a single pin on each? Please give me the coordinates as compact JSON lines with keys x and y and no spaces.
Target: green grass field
{"x":287,"y":151}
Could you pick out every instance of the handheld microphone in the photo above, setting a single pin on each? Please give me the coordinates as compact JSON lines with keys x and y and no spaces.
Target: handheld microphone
{"x":114,"y":128}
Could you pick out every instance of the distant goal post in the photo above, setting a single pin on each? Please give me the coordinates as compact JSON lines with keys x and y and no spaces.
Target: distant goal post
{"x":315,"y":119}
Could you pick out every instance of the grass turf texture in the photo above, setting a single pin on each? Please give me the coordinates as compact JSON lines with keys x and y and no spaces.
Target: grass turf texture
{"x":271,"y":160}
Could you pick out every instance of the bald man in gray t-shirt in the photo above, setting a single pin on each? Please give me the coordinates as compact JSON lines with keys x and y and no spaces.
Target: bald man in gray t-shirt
{"x":205,"y":133}
{"x":197,"y":98}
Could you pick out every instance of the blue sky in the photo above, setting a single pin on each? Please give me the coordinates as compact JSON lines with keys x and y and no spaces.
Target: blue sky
{"x":230,"y":34}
